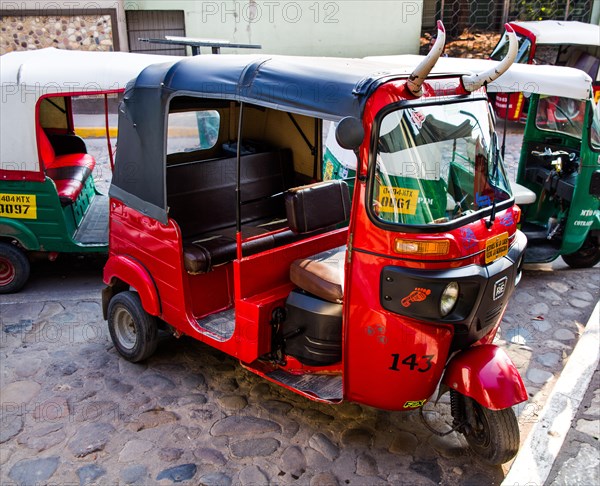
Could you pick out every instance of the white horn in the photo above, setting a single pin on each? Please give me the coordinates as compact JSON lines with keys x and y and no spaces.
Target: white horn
{"x":473,"y":82}
{"x":415,"y":80}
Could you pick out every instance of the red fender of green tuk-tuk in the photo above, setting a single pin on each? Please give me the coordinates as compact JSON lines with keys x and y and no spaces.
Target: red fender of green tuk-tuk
{"x":134,"y":274}
{"x":487,"y":375}
{"x":13,"y":229}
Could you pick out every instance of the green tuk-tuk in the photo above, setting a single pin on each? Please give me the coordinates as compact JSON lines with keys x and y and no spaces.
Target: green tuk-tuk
{"x":558,"y":176}
{"x":49,"y":202}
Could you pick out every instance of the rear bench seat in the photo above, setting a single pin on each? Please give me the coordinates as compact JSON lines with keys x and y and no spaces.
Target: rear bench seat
{"x":69,"y":172}
{"x":208,"y":189}
{"x":201,"y":198}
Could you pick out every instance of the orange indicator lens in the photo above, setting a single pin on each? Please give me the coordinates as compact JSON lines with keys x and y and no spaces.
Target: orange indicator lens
{"x":417,"y":247}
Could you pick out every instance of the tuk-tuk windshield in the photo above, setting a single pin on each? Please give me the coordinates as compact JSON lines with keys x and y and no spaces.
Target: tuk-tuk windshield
{"x":561,"y":115}
{"x":595,"y":128}
{"x":437,"y":163}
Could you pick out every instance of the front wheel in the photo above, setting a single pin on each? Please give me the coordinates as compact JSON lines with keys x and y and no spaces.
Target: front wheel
{"x":133,"y":331}
{"x":492,"y":434}
{"x":586,"y":257}
{"x":14,"y":268}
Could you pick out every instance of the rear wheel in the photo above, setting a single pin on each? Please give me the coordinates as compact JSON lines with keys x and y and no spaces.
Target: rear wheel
{"x":133,"y":331}
{"x":492,"y":434}
{"x":14,"y":268}
{"x":586,"y":257}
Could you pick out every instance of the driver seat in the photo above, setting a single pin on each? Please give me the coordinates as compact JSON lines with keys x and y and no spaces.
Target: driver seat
{"x":321,"y":275}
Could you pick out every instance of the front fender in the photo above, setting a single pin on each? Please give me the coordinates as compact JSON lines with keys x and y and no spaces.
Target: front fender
{"x":16,"y":230}
{"x":487,"y":375}
{"x":120,"y":268}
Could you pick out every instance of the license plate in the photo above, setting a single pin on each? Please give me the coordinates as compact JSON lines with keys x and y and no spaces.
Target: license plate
{"x":398,"y":200}
{"x":496,"y":247}
{"x":18,"y":206}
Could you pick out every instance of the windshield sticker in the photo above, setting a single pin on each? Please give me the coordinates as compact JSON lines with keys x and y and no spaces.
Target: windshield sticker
{"x":401,"y":200}
{"x":417,"y":118}
{"x":18,"y":206}
{"x":483,"y":201}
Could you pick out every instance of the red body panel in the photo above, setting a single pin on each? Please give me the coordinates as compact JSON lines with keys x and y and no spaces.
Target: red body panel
{"x":486,"y":374}
{"x":373,"y":337}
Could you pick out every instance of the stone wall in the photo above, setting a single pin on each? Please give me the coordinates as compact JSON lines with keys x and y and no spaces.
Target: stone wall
{"x":81,"y":32}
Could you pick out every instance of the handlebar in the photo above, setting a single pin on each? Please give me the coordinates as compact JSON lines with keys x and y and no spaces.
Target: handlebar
{"x":549,"y":153}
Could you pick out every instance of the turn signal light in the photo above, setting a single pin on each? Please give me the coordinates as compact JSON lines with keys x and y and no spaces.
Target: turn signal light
{"x":418,"y":247}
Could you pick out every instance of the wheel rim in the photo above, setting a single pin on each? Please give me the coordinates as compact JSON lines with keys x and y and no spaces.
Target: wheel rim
{"x":124,"y":327}
{"x":7,"y":271}
{"x":480,"y":430}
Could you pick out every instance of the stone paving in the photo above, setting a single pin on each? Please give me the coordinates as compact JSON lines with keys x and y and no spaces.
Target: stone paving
{"x":74,"y":412}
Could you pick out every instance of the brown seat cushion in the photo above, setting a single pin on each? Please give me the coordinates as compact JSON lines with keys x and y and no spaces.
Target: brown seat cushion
{"x":321,"y":275}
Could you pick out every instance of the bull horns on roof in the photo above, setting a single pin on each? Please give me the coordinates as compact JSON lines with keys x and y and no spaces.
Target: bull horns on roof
{"x":415,"y":80}
{"x":473,"y":82}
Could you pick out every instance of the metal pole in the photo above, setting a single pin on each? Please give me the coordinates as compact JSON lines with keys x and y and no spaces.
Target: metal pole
{"x":567,"y":9}
{"x":595,"y":15}
{"x":442,"y":6}
{"x":238,"y":187}
{"x":505,"y":12}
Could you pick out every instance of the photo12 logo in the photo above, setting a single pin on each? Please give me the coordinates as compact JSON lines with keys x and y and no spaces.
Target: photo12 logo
{"x":271,"y":12}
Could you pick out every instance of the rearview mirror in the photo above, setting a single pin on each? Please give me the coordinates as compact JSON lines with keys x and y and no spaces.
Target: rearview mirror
{"x":349,"y":133}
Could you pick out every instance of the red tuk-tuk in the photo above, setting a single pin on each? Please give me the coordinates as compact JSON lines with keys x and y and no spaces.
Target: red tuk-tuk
{"x":235,"y":241}
{"x":556,"y":42}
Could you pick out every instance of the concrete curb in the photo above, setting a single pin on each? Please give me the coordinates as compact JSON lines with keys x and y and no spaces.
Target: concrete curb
{"x":541,"y":447}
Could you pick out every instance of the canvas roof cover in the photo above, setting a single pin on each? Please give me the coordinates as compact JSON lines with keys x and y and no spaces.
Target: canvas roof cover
{"x":561,"y":32}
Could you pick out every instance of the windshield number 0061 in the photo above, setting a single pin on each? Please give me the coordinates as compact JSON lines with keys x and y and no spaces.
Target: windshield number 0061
{"x":422,"y":365}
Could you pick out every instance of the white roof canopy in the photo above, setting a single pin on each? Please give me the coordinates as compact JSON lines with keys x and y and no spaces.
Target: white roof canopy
{"x":58,"y":69}
{"x":550,"y":80}
{"x":560,"y":32}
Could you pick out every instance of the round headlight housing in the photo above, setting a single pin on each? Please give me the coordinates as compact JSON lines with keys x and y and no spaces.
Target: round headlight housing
{"x":449,"y":298}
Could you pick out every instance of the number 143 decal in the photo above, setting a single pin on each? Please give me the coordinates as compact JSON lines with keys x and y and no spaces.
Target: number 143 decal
{"x":422,"y":364}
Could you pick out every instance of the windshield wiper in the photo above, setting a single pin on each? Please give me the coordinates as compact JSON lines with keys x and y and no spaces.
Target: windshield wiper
{"x":495,"y":163}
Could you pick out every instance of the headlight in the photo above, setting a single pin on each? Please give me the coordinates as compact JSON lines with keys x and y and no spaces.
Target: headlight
{"x":449,"y":298}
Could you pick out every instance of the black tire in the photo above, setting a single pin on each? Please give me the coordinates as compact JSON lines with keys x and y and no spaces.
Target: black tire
{"x":586,"y":257}
{"x":14,"y":268}
{"x":494,"y":435}
{"x":133,"y":331}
